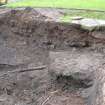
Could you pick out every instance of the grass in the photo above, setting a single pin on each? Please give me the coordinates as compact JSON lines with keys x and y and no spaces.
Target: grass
{"x":86,"y":14}
{"x":87,"y":4}
{"x":81,"y":4}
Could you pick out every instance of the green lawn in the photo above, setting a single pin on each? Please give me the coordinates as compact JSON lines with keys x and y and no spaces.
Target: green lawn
{"x":81,"y":4}
{"x":94,"y":15}
{"x":88,"y":4}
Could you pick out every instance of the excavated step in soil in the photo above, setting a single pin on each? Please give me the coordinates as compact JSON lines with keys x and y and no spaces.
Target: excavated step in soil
{"x":47,"y":62}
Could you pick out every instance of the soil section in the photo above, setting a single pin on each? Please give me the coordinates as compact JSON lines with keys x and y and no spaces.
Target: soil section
{"x":26,"y":38}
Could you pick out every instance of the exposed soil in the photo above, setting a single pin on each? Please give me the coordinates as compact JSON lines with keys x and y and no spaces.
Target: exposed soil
{"x":26,"y":37}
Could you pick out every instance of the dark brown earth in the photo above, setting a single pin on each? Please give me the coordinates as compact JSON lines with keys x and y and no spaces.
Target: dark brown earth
{"x":26,"y":38}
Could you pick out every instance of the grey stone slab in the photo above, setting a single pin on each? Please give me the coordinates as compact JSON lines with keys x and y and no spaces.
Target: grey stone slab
{"x":66,"y":63}
{"x":89,"y":24}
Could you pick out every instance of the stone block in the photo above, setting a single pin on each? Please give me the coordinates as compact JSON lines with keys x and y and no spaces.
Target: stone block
{"x":79,"y":70}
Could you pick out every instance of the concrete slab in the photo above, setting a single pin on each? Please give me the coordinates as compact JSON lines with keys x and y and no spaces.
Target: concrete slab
{"x":89,"y":24}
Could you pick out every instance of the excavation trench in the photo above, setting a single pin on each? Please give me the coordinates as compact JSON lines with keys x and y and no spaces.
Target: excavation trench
{"x":44,"y":62}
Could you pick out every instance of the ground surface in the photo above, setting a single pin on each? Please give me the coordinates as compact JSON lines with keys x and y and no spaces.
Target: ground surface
{"x":26,"y":37}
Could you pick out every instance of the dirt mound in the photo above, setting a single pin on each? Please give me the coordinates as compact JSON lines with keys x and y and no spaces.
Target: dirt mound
{"x":26,"y":39}
{"x":24,"y":22}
